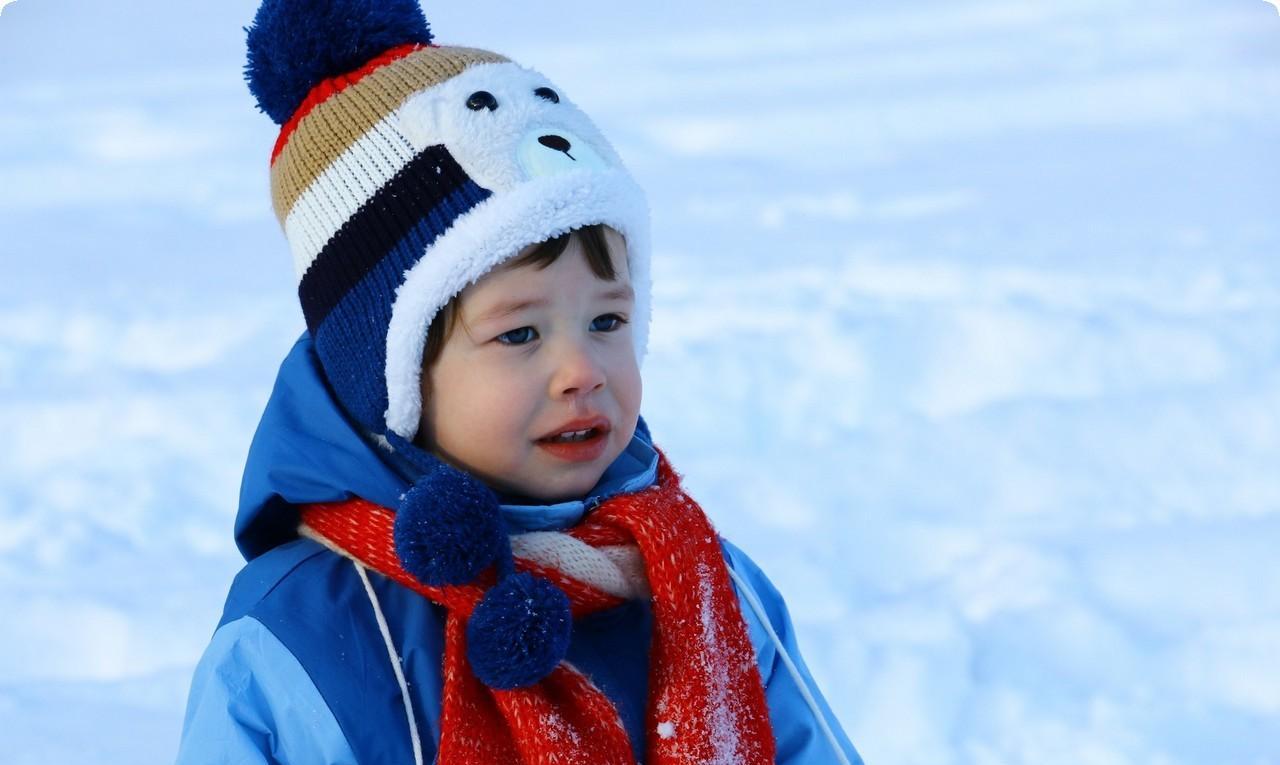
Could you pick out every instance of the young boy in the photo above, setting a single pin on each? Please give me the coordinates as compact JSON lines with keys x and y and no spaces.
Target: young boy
{"x":462,"y":544}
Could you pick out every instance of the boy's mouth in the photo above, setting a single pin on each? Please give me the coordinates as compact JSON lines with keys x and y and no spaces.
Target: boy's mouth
{"x":575,"y":435}
{"x":578,"y":430}
{"x":577,"y":441}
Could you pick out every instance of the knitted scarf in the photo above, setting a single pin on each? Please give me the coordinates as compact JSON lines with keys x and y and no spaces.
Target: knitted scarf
{"x":706,"y":699}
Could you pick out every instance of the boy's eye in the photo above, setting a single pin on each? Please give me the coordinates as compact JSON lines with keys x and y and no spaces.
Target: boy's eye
{"x":607,"y":323}
{"x":518,"y":336}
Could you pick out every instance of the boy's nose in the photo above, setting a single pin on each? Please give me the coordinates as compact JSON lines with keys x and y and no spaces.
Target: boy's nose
{"x":577,"y":374}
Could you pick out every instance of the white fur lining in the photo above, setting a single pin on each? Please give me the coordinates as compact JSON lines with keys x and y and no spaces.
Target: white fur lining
{"x":492,"y":232}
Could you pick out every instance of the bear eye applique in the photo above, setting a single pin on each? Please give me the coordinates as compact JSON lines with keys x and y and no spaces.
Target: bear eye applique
{"x":481,"y":99}
{"x":548,"y":94}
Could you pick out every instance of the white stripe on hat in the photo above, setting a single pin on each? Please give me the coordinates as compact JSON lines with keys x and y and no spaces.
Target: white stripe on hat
{"x":344,"y":186}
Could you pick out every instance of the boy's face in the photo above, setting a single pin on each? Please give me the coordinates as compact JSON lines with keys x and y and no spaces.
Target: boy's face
{"x":536,"y":353}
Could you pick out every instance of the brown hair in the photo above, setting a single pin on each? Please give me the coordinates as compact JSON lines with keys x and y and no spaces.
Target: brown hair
{"x":595,"y":248}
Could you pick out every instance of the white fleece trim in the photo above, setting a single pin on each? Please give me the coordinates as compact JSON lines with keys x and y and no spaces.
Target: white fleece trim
{"x":337,"y":193}
{"x":492,"y":232}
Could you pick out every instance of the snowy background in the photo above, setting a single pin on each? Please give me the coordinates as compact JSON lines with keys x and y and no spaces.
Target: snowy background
{"x":967,"y":328}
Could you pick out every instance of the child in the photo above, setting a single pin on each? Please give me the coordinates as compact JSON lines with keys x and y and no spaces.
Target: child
{"x":462,"y":544}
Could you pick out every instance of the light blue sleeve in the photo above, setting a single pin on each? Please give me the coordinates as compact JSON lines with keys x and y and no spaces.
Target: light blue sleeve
{"x":252,"y":702}
{"x":796,"y":712}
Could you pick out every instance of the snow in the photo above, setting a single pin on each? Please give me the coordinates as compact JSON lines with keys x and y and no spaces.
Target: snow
{"x":967,"y":319}
{"x":723,"y":711}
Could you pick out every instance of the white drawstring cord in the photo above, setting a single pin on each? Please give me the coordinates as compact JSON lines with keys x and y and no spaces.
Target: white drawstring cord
{"x":395,"y":662}
{"x":756,"y":606}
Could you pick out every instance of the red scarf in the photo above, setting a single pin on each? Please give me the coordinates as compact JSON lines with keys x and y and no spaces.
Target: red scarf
{"x":706,"y":699}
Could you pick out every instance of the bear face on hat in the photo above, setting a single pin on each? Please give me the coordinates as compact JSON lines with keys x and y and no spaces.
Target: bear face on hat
{"x":505,"y":124}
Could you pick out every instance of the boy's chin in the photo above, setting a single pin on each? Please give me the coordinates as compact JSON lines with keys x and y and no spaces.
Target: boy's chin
{"x":569,"y":486}
{"x":565,"y":492}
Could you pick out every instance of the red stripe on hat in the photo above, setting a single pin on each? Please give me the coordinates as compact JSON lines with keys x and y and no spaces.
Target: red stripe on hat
{"x":329,"y":87}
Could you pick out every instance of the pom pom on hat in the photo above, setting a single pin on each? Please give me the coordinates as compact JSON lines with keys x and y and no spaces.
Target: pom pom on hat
{"x":519,"y":632}
{"x":449,"y":528}
{"x":296,"y":44}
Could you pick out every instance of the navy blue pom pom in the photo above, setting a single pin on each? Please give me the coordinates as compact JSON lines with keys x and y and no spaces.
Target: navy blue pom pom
{"x":448,"y":528}
{"x":296,"y":44}
{"x":519,"y":632}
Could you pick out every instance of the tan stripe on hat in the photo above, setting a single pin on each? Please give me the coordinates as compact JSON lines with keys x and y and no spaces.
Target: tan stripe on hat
{"x":338,"y":122}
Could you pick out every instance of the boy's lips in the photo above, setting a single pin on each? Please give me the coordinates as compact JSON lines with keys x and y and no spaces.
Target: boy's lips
{"x":583,"y":423}
{"x":580,"y":440}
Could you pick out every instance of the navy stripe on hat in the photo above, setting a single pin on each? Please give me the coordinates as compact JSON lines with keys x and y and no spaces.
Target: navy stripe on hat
{"x":432,"y":187}
{"x":352,"y":339}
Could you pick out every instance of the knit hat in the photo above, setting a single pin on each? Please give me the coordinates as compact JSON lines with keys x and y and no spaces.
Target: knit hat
{"x":405,"y":171}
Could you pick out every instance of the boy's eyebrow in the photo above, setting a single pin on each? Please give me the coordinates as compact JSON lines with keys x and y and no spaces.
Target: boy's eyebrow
{"x":619,"y":293}
{"x":625,"y":292}
{"x":506,"y":309}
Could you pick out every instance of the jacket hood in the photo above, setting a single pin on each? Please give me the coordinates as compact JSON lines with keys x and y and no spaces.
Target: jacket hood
{"x":306,"y":449}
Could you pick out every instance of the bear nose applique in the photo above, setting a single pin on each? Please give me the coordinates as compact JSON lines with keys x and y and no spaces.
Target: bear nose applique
{"x":557,"y":142}
{"x":543,"y":152}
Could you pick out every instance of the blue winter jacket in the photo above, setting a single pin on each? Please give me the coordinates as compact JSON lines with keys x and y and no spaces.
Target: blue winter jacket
{"x":298,"y":670}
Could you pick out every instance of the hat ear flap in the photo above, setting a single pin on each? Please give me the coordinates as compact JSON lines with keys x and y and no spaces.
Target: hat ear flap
{"x":294,"y":45}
